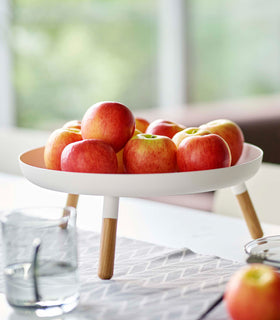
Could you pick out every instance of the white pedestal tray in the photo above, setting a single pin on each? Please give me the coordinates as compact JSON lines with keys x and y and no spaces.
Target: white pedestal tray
{"x":113,"y":186}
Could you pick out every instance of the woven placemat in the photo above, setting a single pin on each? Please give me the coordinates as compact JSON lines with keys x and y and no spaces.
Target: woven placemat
{"x":150,"y":282}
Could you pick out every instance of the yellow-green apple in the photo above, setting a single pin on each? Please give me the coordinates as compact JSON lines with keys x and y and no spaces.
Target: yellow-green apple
{"x":109,"y":121}
{"x":147,"y":153}
{"x":141,"y":124}
{"x":164,"y":128}
{"x":121,"y":168}
{"x":181,"y":135}
{"x":90,"y":156}
{"x":75,"y":124}
{"x":231,"y":132}
{"x":253,"y":293}
{"x":55,"y":144}
{"x":203,"y":152}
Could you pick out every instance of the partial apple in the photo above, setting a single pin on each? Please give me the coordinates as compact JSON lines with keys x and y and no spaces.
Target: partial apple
{"x":203,"y":152}
{"x":121,"y":168}
{"x":181,"y":135}
{"x":56,"y":142}
{"x":109,"y":121}
{"x":73,"y":124}
{"x":231,"y":132}
{"x":90,"y":156}
{"x":147,"y":153}
{"x":164,"y":128}
{"x":141,"y":124}
{"x":253,"y":293}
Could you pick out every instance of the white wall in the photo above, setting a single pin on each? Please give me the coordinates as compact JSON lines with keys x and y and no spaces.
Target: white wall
{"x":14,"y":141}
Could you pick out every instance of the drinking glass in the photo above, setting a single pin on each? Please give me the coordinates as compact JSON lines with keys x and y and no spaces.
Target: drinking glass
{"x":40,"y":259}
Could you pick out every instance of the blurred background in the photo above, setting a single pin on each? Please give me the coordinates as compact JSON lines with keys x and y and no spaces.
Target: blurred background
{"x":189,"y":61}
{"x":58,"y":57}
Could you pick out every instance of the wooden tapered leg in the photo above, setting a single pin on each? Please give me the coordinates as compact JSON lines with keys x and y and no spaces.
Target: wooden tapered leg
{"x":72,"y":201}
{"x":248,"y":210}
{"x":108,"y":237}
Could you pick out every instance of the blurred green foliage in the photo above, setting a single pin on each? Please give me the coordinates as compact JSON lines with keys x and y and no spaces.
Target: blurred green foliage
{"x":70,"y":54}
{"x":234,"y":49}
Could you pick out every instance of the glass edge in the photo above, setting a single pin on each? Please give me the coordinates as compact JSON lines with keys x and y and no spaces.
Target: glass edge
{"x":251,"y":244}
{"x":63,"y":219}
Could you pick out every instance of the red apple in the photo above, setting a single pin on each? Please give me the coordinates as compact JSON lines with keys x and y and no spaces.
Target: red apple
{"x":141,"y":124}
{"x":74,"y":124}
{"x":111,"y":122}
{"x":181,"y":135}
{"x":121,"y":168}
{"x":232,"y":134}
{"x":164,"y":128}
{"x":146,"y":153}
{"x":120,"y":161}
{"x":56,"y":142}
{"x":203,"y":152}
{"x":253,"y":293}
{"x":90,"y":155}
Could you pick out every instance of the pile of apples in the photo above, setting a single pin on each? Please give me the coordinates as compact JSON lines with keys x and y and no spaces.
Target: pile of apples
{"x":109,"y":139}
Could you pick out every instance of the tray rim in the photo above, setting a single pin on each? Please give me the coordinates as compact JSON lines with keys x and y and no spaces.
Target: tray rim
{"x":62,"y":178}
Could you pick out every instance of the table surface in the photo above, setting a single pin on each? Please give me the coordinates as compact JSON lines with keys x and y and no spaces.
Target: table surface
{"x":158,"y":223}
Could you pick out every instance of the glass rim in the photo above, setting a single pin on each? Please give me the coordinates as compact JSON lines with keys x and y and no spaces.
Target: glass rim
{"x":249,"y":247}
{"x":64,"y":219}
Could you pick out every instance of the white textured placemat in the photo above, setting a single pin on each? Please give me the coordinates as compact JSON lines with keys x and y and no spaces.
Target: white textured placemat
{"x":149,"y":282}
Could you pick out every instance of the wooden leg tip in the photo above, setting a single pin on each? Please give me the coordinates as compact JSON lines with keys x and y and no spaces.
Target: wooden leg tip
{"x":104,"y":276}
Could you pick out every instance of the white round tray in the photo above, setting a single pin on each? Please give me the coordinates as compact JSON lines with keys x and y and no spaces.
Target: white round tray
{"x":139,"y":185}
{"x":113,"y":186}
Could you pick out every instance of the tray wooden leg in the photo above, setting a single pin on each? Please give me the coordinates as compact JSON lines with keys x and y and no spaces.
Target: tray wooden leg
{"x":248,"y":210}
{"x":72,"y":201}
{"x":108,"y":237}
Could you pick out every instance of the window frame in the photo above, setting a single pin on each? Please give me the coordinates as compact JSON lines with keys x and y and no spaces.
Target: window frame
{"x":7,"y":105}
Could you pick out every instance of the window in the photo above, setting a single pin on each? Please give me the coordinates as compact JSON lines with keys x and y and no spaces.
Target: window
{"x":69,"y":54}
{"x":234,"y":49}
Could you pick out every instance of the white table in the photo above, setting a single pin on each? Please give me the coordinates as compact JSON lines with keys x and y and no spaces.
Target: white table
{"x":202,"y":232}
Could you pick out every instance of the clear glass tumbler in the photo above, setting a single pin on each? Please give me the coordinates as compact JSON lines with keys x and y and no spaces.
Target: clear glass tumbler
{"x":40,"y":259}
